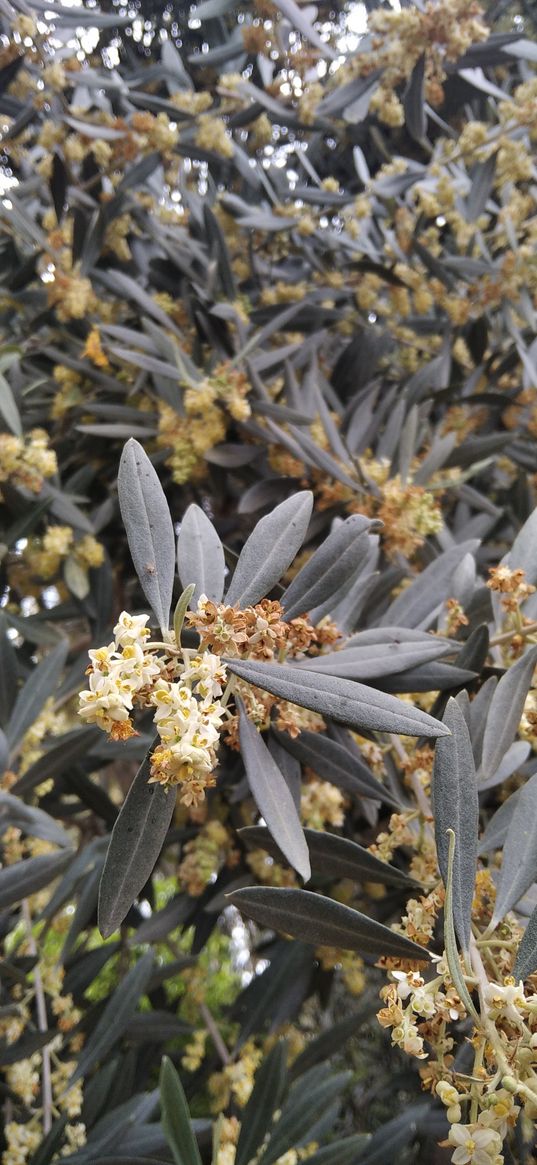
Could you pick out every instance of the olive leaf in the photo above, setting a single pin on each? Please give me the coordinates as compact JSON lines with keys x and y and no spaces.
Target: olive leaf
{"x":270,"y":550}
{"x":36,"y":691}
{"x":345,"y":701}
{"x":272,"y":796}
{"x":519,"y":864}
{"x":200,"y":556}
{"x":322,"y":921}
{"x":135,"y":844}
{"x":455,"y":806}
{"x":328,"y":568}
{"x":332,"y":856}
{"x":119,"y":1008}
{"x":176,"y":1117}
{"x":505,"y":711}
{"x":526,"y":960}
{"x":149,"y":528}
{"x":265,"y":1098}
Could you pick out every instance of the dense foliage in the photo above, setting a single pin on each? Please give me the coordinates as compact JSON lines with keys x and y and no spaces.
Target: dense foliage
{"x":268,"y":619}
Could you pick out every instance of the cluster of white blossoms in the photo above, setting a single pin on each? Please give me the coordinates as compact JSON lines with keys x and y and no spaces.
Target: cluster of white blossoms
{"x":184,"y":692}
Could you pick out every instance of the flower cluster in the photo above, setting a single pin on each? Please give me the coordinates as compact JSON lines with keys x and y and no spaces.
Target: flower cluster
{"x":209,"y":407}
{"x":26,"y":461}
{"x":188,"y":715}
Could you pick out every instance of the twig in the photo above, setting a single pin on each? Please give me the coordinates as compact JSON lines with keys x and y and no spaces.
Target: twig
{"x":42,"y":1023}
{"x":529,"y":629}
{"x":215,"y":1034}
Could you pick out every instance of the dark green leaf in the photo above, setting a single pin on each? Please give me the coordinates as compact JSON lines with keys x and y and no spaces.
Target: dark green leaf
{"x":343,"y":700}
{"x":36,"y":691}
{"x":176,"y":1117}
{"x":115,"y":1017}
{"x":332,"y":856}
{"x":31,"y":820}
{"x":137,"y":839}
{"x":272,"y":796}
{"x":265,"y":1098}
{"x":321,"y":921}
{"x":345,"y":1152}
{"x":27,"y":877}
{"x":301,"y":1113}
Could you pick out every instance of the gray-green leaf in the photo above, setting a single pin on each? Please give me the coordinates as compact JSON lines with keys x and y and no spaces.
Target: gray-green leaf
{"x":455,"y":806}
{"x":505,"y":711}
{"x":176,"y":1117}
{"x":36,"y":691}
{"x":149,"y":528}
{"x":264,"y":1100}
{"x":327,"y":569}
{"x":115,"y":1017}
{"x":27,"y":877}
{"x":526,"y":960}
{"x":200,"y":556}
{"x":341,"y":699}
{"x":272,"y":796}
{"x":135,"y":844}
{"x":519,"y":865}
{"x":270,"y":550}
{"x":321,"y":921}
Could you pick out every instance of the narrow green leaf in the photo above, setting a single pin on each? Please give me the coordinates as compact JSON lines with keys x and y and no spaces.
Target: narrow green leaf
{"x":505,"y":711}
{"x":272,"y":796}
{"x":27,"y":877}
{"x":452,"y":954}
{"x":519,"y":863}
{"x":344,"y":1152}
{"x":428,"y":589}
{"x":36,"y":691}
{"x":322,"y":921}
{"x":31,"y":820}
{"x":200,"y":555}
{"x":115,"y":1017}
{"x":176,"y":1117}
{"x":8,"y":407}
{"x":332,"y":856}
{"x":343,"y":700}
{"x":328,"y":568}
{"x":526,"y":960}
{"x":149,"y":528}
{"x":137,"y":839}
{"x":181,"y":610}
{"x":334,"y":763}
{"x":270,"y":550}
{"x":265,"y":1098}
{"x":301,"y":1113}
{"x":455,"y":807}
{"x":331,"y":1041}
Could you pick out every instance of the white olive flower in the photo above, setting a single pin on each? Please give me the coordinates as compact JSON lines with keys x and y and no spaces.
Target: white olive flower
{"x":474,"y":1145}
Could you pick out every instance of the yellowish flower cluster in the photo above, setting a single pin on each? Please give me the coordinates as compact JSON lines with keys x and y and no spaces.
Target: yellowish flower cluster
{"x":208,"y":407}
{"x":188,"y":715}
{"x":442,"y":29}
{"x":212,"y":135}
{"x":348,"y":963}
{"x":205,"y":856}
{"x":45,"y":556}
{"x":236,"y":1079}
{"x":26,"y":461}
